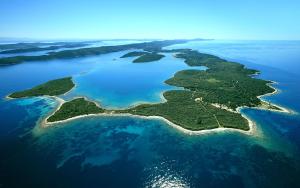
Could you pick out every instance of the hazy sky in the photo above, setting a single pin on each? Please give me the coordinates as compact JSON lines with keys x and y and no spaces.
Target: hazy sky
{"x":87,"y":19}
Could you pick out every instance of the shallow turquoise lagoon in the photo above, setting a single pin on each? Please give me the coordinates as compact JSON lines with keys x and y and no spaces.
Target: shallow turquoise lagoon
{"x":118,"y":83}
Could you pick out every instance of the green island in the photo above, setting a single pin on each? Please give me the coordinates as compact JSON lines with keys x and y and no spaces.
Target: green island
{"x":133,"y":54}
{"x":149,"y":57}
{"x":83,"y":52}
{"x":144,"y":57}
{"x":209,"y":99}
{"x":50,"y":88}
{"x":73,"y":108}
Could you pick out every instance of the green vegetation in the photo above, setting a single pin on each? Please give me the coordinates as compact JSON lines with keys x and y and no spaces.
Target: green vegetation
{"x":144,"y":56}
{"x":149,"y":57}
{"x":224,"y":82}
{"x":227,"y":84}
{"x":22,"y":45}
{"x":83,"y":52}
{"x":36,"y":49}
{"x":25,"y":45}
{"x":183,"y":109}
{"x":134,"y":54}
{"x":73,"y":108}
{"x":20,"y":59}
{"x":51,"y":88}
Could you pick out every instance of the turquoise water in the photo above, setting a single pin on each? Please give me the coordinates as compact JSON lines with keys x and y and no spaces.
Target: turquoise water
{"x":89,"y":44}
{"x":134,"y":152}
{"x":118,"y":83}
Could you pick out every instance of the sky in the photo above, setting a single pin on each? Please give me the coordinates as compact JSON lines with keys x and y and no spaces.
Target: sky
{"x":151,"y":19}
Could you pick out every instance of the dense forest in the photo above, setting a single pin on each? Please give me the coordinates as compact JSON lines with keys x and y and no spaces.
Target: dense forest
{"x":227,"y":84}
{"x":50,"y":88}
{"x":73,"y":108}
{"x":144,"y":57}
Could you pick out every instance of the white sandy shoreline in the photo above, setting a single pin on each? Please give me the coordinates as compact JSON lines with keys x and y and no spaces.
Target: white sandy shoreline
{"x":276,"y":91}
{"x":251,"y":131}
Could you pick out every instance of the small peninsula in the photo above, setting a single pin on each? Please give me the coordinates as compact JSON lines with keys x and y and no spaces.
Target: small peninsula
{"x":76,"y":107}
{"x":50,"y":88}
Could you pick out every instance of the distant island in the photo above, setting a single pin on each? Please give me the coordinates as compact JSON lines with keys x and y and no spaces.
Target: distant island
{"x":210,"y":99}
{"x":26,"y":45}
{"x":144,"y":57}
{"x":83,"y":52}
{"x":134,"y":54}
{"x":21,"y":48}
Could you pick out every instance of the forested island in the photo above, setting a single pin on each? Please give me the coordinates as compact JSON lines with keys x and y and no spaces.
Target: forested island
{"x":50,"y":88}
{"x":74,"y":108}
{"x":144,"y":57}
{"x":210,"y":99}
{"x":134,"y":54}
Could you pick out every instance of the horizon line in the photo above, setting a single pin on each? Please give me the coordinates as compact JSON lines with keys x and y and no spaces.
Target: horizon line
{"x":136,"y":39}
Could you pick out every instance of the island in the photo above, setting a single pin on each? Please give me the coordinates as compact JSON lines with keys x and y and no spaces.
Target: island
{"x":24,"y":45}
{"x":37,"y":48}
{"x":209,"y":99}
{"x":148,"y":58}
{"x":83,"y":52}
{"x":50,"y":88}
{"x":144,"y":57}
{"x":133,"y":54}
{"x":74,"y":108}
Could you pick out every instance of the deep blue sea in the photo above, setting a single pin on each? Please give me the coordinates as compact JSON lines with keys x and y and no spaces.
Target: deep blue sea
{"x":134,"y":152}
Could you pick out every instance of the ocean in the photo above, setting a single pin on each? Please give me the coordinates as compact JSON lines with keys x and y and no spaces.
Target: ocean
{"x":135,"y":152}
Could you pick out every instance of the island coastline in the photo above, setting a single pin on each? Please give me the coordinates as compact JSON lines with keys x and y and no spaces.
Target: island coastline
{"x":199,"y":112}
{"x":252,"y":125}
{"x":44,"y":123}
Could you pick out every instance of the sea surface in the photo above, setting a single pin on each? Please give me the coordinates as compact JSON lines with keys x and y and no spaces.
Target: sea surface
{"x":135,"y":152}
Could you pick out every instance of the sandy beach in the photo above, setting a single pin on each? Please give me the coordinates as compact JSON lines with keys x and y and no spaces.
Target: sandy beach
{"x":276,"y":91}
{"x":251,"y":131}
